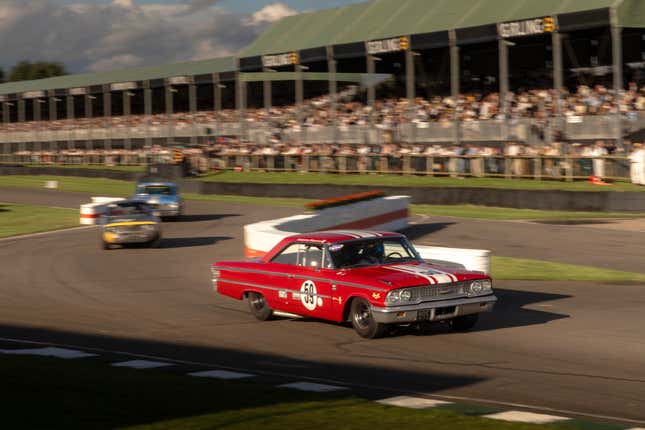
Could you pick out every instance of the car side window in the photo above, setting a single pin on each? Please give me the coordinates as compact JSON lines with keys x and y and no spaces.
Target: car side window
{"x":289,"y":255}
{"x":298,"y":254}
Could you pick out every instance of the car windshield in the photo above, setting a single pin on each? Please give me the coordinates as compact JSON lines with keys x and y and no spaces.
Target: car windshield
{"x":156,"y":190}
{"x":371,"y":252}
{"x":126,"y":209}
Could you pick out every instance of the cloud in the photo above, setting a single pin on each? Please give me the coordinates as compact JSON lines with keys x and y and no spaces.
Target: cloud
{"x":270,"y":13}
{"x":87,"y":36}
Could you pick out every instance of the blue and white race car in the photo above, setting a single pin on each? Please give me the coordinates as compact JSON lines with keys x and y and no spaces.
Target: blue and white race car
{"x":162,"y":197}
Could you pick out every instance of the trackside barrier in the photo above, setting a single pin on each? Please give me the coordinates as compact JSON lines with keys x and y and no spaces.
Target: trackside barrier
{"x":92,"y":212}
{"x":385,"y":214}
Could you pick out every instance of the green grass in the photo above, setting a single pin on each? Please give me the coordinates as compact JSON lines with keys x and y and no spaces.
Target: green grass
{"x":18,"y":219}
{"x":92,"y":166}
{"x":119,"y":188}
{"x":411,"y":181}
{"x":538,"y":270}
{"x":95,"y":186}
{"x":509,"y":214}
{"x":82,"y":394}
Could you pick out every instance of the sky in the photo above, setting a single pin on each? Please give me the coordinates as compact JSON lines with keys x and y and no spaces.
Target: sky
{"x":100,"y":35}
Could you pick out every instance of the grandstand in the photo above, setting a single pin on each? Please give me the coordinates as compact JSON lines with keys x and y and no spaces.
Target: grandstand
{"x":573,"y":66}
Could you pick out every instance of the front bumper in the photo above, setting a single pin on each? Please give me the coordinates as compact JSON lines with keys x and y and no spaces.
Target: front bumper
{"x":433,"y":311}
{"x":130,"y":237}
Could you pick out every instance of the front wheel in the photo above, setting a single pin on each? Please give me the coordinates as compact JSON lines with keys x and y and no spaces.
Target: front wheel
{"x":363,"y":320}
{"x":464,"y":323}
{"x":259,"y":306}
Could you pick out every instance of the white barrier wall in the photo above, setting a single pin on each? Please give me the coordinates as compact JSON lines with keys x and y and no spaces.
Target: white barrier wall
{"x":92,"y":212}
{"x":385,"y":214}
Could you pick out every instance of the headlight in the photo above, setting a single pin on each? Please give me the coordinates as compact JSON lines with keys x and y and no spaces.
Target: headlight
{"x":173,"y":205}
{"x":148,"y":227}
{"x":394,"y":296}
{"x":405,"y":295}
{"x":480,"y":287}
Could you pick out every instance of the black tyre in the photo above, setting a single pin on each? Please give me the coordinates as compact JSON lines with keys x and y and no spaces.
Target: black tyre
{"x":155,"y":243}
{"x":105,"y":245}
{"x":259,"y":306}
{"x":363,"y":320}
{"x":464,"y":323}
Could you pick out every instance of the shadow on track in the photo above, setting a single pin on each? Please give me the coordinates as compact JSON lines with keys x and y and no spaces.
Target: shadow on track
{"x":73,"y":400}
{"x":188,"y":242}
{"x":200,"y":217}
{"x":417,"y":231}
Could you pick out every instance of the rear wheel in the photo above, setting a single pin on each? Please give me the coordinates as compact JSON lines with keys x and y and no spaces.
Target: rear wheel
{"x":464,"y":322}
{"x":363,"y":320}
{"x":154,"y":243}
{"x":105,"y":245}
{"x":259,"y":306}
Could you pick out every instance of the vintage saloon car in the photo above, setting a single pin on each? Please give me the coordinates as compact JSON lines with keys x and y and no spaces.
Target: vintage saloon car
{"x":372,"y":279}
{"x":130,"y":222}
{"x":164,"y":197}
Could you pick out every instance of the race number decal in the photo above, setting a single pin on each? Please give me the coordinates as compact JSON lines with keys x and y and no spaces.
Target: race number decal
{"x":308,"y":295}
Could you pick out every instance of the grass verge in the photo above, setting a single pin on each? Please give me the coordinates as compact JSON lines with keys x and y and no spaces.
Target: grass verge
{"x":539,"y":270}
{"x":119,"y":188}
{"x":411,"y":181}
{"x":18,"y":219}
{"x":92,"y":166}
{"x":82,"y":394}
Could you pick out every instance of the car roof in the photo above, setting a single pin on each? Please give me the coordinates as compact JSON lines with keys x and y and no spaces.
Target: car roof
{"x":333,"y":236}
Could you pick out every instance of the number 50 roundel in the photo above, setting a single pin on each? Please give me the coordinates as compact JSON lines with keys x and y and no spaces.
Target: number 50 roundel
{"x":308,"y":295}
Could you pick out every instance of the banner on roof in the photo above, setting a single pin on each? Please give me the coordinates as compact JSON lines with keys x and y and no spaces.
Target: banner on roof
{"x":180,"y":80}
{"x":279,"y":60}
{"x":529,"y":27}
{"x":388,"y":45}
{"x":33,"y":94}
{"x":123,"y":86}
{"x":80,"y":91}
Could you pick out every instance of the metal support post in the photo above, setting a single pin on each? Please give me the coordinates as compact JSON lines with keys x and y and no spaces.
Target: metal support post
{"x":170,"y":135}
{"x":558,"y":77}
{"x":36,"y":106}
{"x":299,"y":91}
{"x":455,"y":84}
{"x":617,"y":51}
{"x":127,"y":110}
{"x":70,"y":118}
{"x":192,"y":105}
{"x":107,"y":115}
{"x":333,"y":84}
{"x":147,"y":112}
{"x":410,"y":87}
{"x":89,"y":143}
{"x":267,"y":92}
{"x":21,"y":118}
{"x":371,"y":89}
{"x":503,"y":85}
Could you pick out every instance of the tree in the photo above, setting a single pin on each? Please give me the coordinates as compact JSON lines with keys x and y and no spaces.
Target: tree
{"x":25,"y":70}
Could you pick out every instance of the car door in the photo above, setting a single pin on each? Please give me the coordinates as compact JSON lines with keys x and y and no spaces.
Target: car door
{"x":307,"y":291}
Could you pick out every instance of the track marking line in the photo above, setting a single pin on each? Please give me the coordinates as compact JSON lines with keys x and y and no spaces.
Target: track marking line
{"x":221,"y":374}
{"x":526,"y":417}
{"x":311,"y":386}
{"x":388,"y":389}
{"x":46,"y":233}
{"x":412,"y":402}
{"x":142,"y":364}
{"x":49,"y":352}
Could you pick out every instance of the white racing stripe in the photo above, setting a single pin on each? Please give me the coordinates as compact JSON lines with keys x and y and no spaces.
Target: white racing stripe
{"x":433,"y":275}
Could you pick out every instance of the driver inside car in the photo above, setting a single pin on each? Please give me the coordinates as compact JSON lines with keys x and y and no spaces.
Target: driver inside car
{"x":373,"y":253}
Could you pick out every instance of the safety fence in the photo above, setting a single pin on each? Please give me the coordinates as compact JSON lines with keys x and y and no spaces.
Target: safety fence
{"x":531,"y":166}
{"x":528,"y":131}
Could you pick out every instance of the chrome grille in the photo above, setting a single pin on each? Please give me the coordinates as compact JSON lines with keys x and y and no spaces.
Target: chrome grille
{"x":439,"y":292}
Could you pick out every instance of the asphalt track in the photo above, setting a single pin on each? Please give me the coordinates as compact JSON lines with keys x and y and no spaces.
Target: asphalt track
{"x":570,"y":347}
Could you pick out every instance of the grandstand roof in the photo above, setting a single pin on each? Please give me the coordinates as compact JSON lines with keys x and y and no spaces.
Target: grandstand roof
{"x":217,"y":65}
{"x":380,"y":19}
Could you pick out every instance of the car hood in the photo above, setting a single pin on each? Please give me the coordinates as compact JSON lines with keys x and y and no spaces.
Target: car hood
{"x":155,"y":198}
{"x":410,"y":274}
{"x":124,"y":219}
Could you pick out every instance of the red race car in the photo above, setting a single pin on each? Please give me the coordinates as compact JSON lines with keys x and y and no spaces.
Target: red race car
{"x":372,"y":279}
